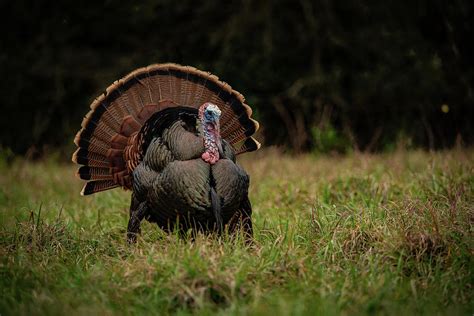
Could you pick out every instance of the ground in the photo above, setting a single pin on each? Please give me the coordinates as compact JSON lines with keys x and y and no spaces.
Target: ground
{"x":356,"y":234}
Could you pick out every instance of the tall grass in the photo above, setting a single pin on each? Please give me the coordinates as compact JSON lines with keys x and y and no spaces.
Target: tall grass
{"x":362,"y":234}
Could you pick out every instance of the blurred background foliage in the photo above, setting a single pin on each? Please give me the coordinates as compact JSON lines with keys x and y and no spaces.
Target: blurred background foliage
{"x":321,"y":75}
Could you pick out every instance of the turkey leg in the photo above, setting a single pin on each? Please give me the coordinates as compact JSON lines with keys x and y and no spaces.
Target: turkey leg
{"x":138,"y":210}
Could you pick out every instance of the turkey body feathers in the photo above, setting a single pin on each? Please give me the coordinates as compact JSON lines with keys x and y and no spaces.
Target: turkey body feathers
{"x":178,"y":187}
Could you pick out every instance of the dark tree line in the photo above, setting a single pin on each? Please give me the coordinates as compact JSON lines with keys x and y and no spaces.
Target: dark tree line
{"x":324,"y":75}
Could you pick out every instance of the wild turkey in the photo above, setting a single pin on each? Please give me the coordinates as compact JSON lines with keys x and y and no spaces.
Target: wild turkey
{"x":170,"y":133}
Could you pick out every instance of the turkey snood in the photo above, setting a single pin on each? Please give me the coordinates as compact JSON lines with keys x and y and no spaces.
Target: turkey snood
{"x":209,"y":115}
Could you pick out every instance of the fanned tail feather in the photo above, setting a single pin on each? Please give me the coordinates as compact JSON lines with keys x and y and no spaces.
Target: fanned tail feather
{"x":98,"y":186}
{"x":107,"y":144}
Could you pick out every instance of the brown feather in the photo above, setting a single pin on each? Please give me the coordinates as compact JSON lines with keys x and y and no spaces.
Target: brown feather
{"x":250,"y":144}
{"x":118,"y":141}
{"x":98,"y":186}
{"x":94,"y":173}
{"x":129,"y":126}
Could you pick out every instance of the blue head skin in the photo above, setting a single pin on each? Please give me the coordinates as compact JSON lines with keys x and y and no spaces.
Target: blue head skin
{"x":212,"y":113}
{"x":209,"y":114}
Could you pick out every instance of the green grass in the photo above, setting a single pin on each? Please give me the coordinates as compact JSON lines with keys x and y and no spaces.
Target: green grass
{"x":363,"y":234}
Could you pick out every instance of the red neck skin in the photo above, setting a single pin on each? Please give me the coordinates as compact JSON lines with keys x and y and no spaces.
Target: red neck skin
{"x":211,"y":142}
{"x":211,"y":137}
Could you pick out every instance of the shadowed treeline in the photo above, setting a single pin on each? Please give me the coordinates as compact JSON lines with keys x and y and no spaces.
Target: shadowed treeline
{"x":322,"y":75}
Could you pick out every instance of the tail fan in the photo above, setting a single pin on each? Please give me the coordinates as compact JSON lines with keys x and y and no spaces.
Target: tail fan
{"x":106,"y":143}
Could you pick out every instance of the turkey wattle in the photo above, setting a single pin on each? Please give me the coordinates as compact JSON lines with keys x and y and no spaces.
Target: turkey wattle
{"x":171,"y":133}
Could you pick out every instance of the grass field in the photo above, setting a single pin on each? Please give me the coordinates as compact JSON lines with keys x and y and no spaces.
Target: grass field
{"x":362,"y":234}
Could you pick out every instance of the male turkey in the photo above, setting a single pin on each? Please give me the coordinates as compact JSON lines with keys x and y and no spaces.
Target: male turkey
{"x":170,"y":133}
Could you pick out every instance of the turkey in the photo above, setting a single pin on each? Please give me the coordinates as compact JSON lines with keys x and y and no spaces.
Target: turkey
{"x":171,"y":134}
